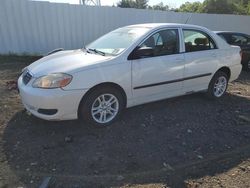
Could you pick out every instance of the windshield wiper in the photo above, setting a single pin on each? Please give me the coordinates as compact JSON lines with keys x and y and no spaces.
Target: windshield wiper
{"x":96,"y":51}
{"x":85,"y":49}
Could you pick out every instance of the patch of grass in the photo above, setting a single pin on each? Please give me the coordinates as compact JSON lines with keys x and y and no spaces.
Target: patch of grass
{"x":12,"y":58}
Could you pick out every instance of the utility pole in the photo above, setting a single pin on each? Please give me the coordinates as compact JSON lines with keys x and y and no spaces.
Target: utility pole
{"x":90,"y":2}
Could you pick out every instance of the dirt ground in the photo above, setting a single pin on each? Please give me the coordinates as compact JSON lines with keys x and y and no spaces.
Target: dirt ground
{"x":188,"y":141}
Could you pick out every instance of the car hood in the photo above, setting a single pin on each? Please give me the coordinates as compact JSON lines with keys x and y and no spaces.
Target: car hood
{"x":66,"y":62}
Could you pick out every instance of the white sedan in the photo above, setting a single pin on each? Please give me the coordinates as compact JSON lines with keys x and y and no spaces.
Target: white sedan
{"x":129,"y":66}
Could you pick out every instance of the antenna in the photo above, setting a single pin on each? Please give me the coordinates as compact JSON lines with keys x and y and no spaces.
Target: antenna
{"x":189,"y":18}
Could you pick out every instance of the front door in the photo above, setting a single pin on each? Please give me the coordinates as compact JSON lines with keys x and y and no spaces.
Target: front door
{"x":157,"y":71}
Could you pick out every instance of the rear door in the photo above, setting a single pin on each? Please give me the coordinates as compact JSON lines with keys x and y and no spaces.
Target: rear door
{"x":158,"y":75}
{"x":200,"y":60}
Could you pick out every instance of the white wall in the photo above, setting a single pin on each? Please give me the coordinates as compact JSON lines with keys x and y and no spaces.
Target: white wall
{"x":39,"y":27}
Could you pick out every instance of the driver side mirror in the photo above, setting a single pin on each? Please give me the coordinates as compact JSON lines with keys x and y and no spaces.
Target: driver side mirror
{"x":141,"y":52}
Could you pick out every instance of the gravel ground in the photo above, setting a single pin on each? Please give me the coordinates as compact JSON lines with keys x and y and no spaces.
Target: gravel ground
{"x":188,"y":141}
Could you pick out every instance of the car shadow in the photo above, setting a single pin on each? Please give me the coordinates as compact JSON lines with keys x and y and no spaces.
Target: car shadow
{"x":167,"y":142}
{"x":244,"y":77}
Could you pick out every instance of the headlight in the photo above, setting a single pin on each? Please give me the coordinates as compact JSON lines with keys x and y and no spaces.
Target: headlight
{"x":55,"y":80}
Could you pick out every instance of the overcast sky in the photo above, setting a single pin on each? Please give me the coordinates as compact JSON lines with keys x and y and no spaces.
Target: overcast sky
{"x":171,"y":3}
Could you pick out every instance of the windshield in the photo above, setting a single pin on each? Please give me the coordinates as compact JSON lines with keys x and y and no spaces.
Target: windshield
{"x":117,"y":41}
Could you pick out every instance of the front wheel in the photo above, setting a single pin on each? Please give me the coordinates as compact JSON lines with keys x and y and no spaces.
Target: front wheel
{"x":102,"y":106}
{"x":218,"y":85}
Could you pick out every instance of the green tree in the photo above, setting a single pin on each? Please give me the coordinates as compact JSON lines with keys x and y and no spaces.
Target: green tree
{"x":219,"y":7}
{"x":191,"y":7}
{"x":140,"y":4}
{"x":159,"y":6}
{"x":248,"y":8}
{"x":208,"y":6}
{"x":126,"y":4}
{"x":241,"y":6}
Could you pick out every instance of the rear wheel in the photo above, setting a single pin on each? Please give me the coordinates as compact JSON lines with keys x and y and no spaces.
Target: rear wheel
{"x":102,"y":106}
{"x":218,"y":85}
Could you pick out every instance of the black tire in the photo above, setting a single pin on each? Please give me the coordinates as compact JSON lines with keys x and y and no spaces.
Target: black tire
{"x":87,"y":102}
{"x":211,"y":93}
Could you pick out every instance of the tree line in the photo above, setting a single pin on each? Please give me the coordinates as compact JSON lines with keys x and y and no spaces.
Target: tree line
{"x":241,"y":7}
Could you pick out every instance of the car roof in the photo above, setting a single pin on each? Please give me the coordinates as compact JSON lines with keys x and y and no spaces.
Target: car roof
{"x":224,"y":31}
{"x":231,"y":32}
{"x":160,"y":25}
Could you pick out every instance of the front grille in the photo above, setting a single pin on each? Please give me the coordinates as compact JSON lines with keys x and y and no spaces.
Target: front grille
{"x":26,"y":78}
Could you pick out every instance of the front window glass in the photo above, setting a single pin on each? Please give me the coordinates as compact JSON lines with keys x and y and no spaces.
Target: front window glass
{"x":165,"y":42}
{"x":118,"y":40}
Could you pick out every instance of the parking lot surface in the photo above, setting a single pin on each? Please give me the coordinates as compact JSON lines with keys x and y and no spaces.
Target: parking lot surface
{"x":187,"y":141}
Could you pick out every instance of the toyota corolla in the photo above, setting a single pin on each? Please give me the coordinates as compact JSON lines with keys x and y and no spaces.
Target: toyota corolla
{"x":129,"y":66}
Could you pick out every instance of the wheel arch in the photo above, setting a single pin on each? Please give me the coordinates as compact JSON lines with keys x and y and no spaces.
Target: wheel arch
{"x":110,"y":84}
{"x":210,"y":92}
{"x":226,"y":70}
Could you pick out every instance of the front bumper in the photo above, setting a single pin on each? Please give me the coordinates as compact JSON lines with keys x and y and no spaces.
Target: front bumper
{"x":65,"y":102}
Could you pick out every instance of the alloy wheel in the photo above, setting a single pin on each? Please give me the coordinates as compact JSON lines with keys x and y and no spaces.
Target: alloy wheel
{"x":105,"y":108}
{"x":220,"y":86}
